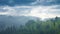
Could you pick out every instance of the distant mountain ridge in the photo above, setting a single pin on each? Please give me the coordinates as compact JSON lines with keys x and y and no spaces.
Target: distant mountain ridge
{"x":6,"y":21}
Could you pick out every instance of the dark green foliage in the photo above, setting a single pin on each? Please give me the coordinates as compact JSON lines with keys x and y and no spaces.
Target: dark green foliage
{"x":51,"y":26}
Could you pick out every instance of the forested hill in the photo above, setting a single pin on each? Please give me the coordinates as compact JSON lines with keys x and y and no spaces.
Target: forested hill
{"x":50,"y":26}
{"x":8,"y":21}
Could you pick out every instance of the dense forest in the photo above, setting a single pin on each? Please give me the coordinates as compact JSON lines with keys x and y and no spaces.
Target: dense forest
{"x":49,"y":26}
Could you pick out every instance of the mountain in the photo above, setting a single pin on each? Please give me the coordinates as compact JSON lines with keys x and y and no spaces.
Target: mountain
{"x":7,"y":21}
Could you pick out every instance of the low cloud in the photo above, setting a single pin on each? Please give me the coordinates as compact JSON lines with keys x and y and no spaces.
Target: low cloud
{"x":36,"y":11}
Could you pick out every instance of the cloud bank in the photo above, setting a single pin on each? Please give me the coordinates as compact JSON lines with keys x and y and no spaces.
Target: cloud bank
{"x":36,"y":11}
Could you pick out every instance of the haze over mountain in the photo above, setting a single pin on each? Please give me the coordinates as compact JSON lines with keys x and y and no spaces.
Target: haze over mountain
{"x":18,"y":12}
{"x":8,"y":21}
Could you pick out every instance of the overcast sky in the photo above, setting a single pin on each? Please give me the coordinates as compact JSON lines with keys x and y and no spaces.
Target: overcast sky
{"x":37,"y":8}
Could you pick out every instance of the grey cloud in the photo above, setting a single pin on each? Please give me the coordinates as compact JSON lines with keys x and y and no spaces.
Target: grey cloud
{"x":46,"y":2}
{"x":55,"y":10}
{"x":15,"y":10}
